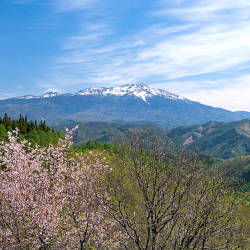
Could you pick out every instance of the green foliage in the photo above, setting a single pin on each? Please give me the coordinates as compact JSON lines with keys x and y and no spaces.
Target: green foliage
{"x":23,"y":124}
{"x":217,"y":139}
{"x":161,"y":200}
{"x":2,"y":132}
{"x":42,"y":137}
{"x":107,"y":132}
{"x":238,"y":167}
{"x":98,"y":147}
{"x":147,"y":186}
{"x":30,"y":130}
{"x":246,"y":188}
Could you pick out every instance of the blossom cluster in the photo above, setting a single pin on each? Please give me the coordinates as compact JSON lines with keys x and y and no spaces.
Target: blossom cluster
{"x":50,"y":197}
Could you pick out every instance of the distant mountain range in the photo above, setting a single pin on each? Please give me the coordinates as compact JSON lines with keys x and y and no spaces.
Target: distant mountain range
{"x":138,"y":90}
{"x":136,"y":103}
{"x":216,"y":139}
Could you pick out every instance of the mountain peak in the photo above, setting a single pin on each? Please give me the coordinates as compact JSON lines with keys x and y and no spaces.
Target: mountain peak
{"x":45,"y":95}
{"x":139,"y":90}
{"x":136,"y":85}
{"x":49,"y":94}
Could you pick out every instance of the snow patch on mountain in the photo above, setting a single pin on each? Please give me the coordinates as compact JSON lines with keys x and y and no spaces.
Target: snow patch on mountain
{"x":49,"y":94}
{"x":139,"y":90}
{"x":45,"y":95}
{"x":26,"y":97}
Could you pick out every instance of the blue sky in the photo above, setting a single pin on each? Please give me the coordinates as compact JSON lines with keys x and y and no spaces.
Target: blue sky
{"x":196,"y":48}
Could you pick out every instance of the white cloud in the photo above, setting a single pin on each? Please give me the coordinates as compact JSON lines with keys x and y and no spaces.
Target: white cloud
{"x":232,"y":94}
{"x":204,"y":10}
{"x":208,"y":50}
{"x":210,"y":37}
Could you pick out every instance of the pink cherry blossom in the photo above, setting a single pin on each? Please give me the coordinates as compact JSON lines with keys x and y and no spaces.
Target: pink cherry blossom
{"x":49,"y":197}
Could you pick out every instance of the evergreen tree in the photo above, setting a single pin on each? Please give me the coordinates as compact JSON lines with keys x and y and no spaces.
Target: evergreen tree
{"x":30,"y":130}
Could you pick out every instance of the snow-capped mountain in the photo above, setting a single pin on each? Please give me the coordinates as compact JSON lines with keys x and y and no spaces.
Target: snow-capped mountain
{"x":45,"y":95}
{"x":49,"y":94}
{"x":26,"y":97}
{"x":139,"y":90}
{"x":136,"y":103}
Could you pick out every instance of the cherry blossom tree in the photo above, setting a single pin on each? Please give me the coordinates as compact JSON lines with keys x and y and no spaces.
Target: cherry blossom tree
{"x":49,"y":197}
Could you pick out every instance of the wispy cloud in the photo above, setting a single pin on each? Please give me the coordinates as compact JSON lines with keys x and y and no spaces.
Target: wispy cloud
{"x":70,"y":5}
{"x":232,"y":94}
{"x":206,"y":37}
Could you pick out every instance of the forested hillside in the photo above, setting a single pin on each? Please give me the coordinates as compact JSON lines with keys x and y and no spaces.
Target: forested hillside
{"x":138,"y":197}
{"x":238,"y":167}
{"x":211,"y":140}
{"x":112,"y":132}
{"x":216,"y":139}
{"x":31,"y":130}
{"x":219,"y":139}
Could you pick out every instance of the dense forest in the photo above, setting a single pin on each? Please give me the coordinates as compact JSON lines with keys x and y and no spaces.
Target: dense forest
{"x":31,"y":130}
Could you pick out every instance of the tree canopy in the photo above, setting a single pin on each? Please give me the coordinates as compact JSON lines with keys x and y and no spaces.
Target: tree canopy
{"x":31,"y":130}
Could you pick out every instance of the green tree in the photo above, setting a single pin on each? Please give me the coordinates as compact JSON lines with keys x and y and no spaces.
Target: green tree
{"x":163,"y":201}
{"x":40,"y":134}
{"x":2,"y":132}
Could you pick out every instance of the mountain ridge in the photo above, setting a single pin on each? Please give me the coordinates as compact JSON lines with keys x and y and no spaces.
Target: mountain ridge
{"x":139,"y":90}
{"x":213,"y":139}
{"x":135,"y":103}
{"x":219,"y":139}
